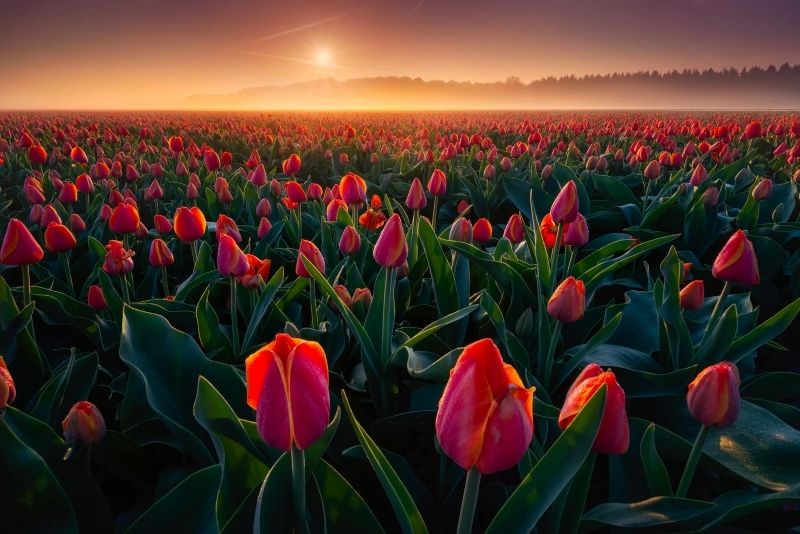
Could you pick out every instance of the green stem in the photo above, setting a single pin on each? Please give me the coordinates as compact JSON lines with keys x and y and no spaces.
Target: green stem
{"x":691,"y":463}
{"x":548,"y":362}
{"x":123,"y":281}
{"x":164,"y":280}
{"x":26,"y":284}
{"x":554,"y":257}
{"x":67,"y":273}
{"x":387,"y":327}
{"x":234,"y":318}
{"x":298,"y":489}
{"x":300,"y":220}
{"x":726,"y":289}
{"x":469,"y":501}
{"x":573,"y":253}
{"x":646,"y":195}
{"x":415,"y":234}
{"x":433,"y":215}
{"x":313,"y":303}
{"x":193,"y":248}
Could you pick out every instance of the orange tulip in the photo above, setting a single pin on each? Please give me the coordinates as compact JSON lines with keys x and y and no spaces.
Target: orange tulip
{"x":485,"y":416}
{"x":437,"y":184}
{"x":124,"y":219}
{"x":257,"y":272}
{"x":77,"y":155}
{"x":287,"y":384}
{"x":372,"y":219}
{"x":568,"y":301}
{"x":295,"y":192}
{"x":227,"y":226}
{"x":514,"y":230}
{"x":548,"y":229}
{"x":58,"y":238}
{"x":160,"y":254}
{"x":291,"y":165}
{"x":190,"y":224}
{"x":353,"y":189}
{"x":713,"y":397}
{"x":693,"y":295}
{"x":350,"y":242}
{"x":176,"y":143}
{"x":19,"y":246}
{"x":482,"y":230}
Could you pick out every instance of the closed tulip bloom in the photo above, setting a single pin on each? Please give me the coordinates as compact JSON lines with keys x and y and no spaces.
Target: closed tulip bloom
{"x":36,"y":213}
{"x":653,"y":170}
{"x":68,"y":193}
{"x":160,"y":254}
{"x":8,"y":391}
{"x":287,"y":384}
{"x":295,"y":191}
{"x":344,"y":296}
{"x":49,"y":216}
{"x":350,"y":242}
{"x":576,"y":233}
{"x":264,"y":227}
{"x":191,"y":192}
{"x":314,"y":191}
{"x":713,"y":397}
{"x":737,"y":262}
{"x":257,"y":272}
{"x":254,"y":160}
{"x":231,"y":261}
{"x":482,"y":230}
{"x":263,"y":208}
{"x":762,"y":190}
{"x":362,"y":296}
{"x":391,"y":249}
{"x":131,"y":174}
{"x":259,"y":177}
{"x":461,"y":230}
{"x":547,"y":171}
{"x":95,"y":298}
{"x":489,"y":172}
{"x":84,"y":184}
{"x":77,"y":155}
{"x":227,"y":226}
{"x":515,"y":229}
{"x":33,"y":194}
{"x":291,"y":165}
{"x":162,"y":225}
{"x":312,"y":254}
{"x":710,"y":197}
{"x":332,"y":210}
{"x":124,"y":219}
{"x":568,"y":301}
{"x":37,"y":155}
{"x":485,"y":416}
{"x":190,"y":224}
{"x":154,"y":191}
{"x":211,"y":160}
{"x":58,"y":238}
{"x":415,"y":200}
{"x":118,"y":260}
{"x":437,"y":184}
{"x":353,"y":189}
{"x":84,"y":425}
{"x":699,"y":175}
{"x":613,"y":435}
{"x":224,"y":194}
{"x":176,"y":143}
{"x":565,"y":206}
{"x":692,"y":295}
{"x":19,"y":246}
{"x":105,"y":212}
{"x":76,"y":224}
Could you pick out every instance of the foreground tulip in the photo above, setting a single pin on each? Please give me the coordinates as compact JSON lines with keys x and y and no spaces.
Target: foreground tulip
{"x":287,"y":383}
{"x":8,"y":391}
{"x":160,"y":254}
{"x":565,"y":206}
{"x":20,"y":248}
{"x":231,"y":261}
{"x":736,"y":262}
{"x":84,"y":425}
{"x":613,"y":436}
{"x":485,"y":419}
{"x":257,"y":272}
{"x":713,"y":400}
{"x":312,"y":254}
{"x":391,"y":249}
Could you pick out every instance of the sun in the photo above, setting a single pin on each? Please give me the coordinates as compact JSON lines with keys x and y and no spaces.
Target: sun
{"x":323,"y":57}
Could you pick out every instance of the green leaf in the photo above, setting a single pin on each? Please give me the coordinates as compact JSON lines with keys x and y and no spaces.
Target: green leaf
{"x":188,"y":507}
{"x":444,"y":282}
{"x":70,"y":383}
{"x":719,"y":339}
{"x":211,"y":335}
{"x":404,"y":507}
{"x":763,"y":333}
{"x":169,"y":362}
{"x":263,"y":304}
{"x":435,"y":326}
{"x":552,"y":473}
{"x":580,"y":352}
{"x":649,"y":513}
{"x":654,"y":469}
{"x":345,"y":510}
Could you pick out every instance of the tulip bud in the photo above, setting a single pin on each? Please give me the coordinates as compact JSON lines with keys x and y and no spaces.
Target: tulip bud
{"x":19,"y":246}
{"x":211,"y":160}
{"x":35,"y":216}
{"x":58,"y":238}
{"x":576,"y":233}
{"x":287,"y":384}
{"x":263,"y":208}
{"x":737,"y":262}
{"x":291,"y":165}
{"x":505,"y":164}
{"x":613,"y":435}
{"x":84,"y":425}
{"x":762,"y":190}
{"x":693,"y":295}
{"x":547,"y":170}
{"x":264,"y":227}
{"x":350,"y":242}
{"x":653,"y":170}
{"x":514,"y":230}
{"x":699,"y":175}
{"x":489,"y":172}
{"x":312,"y":254}
{"x":344,"y":295}
{"x":710,"y":197}
{"x":391,"y":249}
{"x":78,"y":155}
{"x":482,"y":231}
{"x":124,"y":219}
{"x":227,"y":226}
{"x":461,"y":230}
{"x":95,"y":298}
{"x":176,"y":144}
{"x":568,"y":301}
{"x":8,"y":391}
{"x":495,"y":432}
{"x":190,"y":224}
{"x":160,"y":254}
{"x":154,"y":192}
{"x":231,"y":261}
{"x":162,"y":225}
{"x":353,"y":189}
{"x":37,"y":155}
{"x":713,"y":397}
{"x":314,"y":191}
{"x":565,"y":206}
{"x":362,"y":296}
{"x":415,"y":200}
{"x":68,"y":193}
{"x":76,"y":224}
{"x":437,"y":184}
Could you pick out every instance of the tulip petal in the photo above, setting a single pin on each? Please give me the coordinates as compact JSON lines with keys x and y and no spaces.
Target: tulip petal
{"x":272,"y":416}
{"x":508,"y":432}
{"x":308,"y":393}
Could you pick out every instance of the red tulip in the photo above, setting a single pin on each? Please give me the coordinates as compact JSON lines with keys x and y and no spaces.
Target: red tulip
{"x":482,"y":231}
{"x":485,"y":416}
{"x":699,"y":175}
{"x":461,"y":230}
{"x":118,"y":260}
{"x":291,"y":165}
{"x":565,"y":206}
{"x":263,"y":208}
{"x":332,"y":210}
{"x":287,"y":384}
{"x":415,"y":200}
{"x":362,"y":296}
{"x":77,"y":155}
{"x":257,"y":272}
{"x":124,"y":219}
{"x":693,"y":295}
{"x":84,"y":424}
{"x":576,"y":233}
{"x":391,"y":249}
{"x":19,"y":246}
{"x":372,"y":219}
{"x":227,"y":226}
{"x":154,"y":192}
{"x":437,"y":184}
{"x":762,"y":190}
{"x":76,"y":224}
{"x":568,"y":301}
{"x":515,"y":229}
{"x":312,"y":254}
{"x":176,"y":143}
{"x":259,"y":176}
{"x":353,"y":189}
{"x":264,"y":227}
{"x":162,"y":224}
{"x":344,"y":296}
{"x":737,"y":262}
{"x":95,"y":298}
{"x":295,"y":191}
{"x":613,"y":436}
{"x":713,"y":396}
{"x":653,"y":170}
{"x":68,"y":193}
{"x":190,"y":224}
{"x":211,"y":160}
{"x":8,"y":391}
{"x":160,"y":254}
{"x":231,"y":261}
{"x":350,"y":242}
{"x":58,"y":238}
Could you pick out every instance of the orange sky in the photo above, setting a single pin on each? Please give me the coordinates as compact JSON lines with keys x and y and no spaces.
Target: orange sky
{"x":153,"y":53}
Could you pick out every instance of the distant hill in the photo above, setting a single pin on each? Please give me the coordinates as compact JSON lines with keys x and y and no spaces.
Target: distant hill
{"x":754,"y":88}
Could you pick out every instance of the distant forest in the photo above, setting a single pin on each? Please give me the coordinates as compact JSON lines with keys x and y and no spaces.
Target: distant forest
{"x":750,"y":88}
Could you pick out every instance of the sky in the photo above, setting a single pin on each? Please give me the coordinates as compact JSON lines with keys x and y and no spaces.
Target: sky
{"x":100,"y":54}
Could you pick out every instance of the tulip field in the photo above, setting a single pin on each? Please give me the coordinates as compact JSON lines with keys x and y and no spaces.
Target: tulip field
{"x":394,"y":322}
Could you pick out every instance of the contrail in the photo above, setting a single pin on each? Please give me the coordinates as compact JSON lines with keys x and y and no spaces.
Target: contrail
{"x":418,"y":6}
{"x":306,"y":26}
